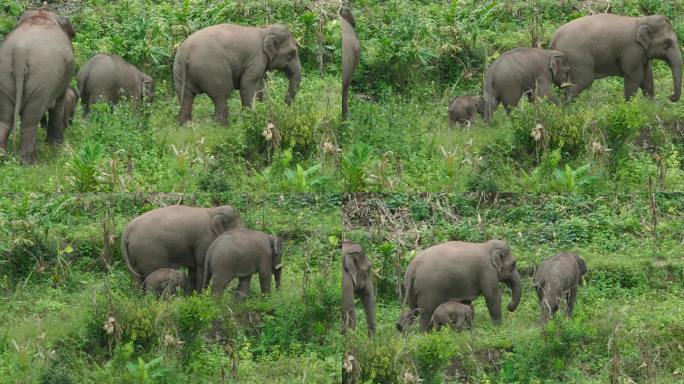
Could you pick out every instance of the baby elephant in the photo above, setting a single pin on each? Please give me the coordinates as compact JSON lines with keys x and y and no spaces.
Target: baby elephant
{"x":453,"y":313}
{"x":106,"y":78}
{"x":463,"y":109}
{"x":521,"y":71}
{"x":70,"y":100}
{"x":407,"y":317}
{"x":556,"y":279}
{"x":240,"y":253}
{"x":356,"y":281}
{"x":165,"y":282}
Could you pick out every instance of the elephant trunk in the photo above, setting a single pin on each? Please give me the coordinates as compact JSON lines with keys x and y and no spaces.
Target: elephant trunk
{"x":675,"y":62}
{"x":294,"y":74}
{"x":516,"y":291}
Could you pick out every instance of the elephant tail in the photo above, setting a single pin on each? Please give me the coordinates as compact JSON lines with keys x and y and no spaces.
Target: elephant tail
{"x":207,"y":271}
{"x":20,"y":72}
{"x":124,"y":254}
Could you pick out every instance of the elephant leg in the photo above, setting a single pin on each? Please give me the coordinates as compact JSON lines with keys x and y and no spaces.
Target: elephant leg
{"x":571,"y":297}
{"x":247,"y":95}
{"x":249,"y":84}
{"x":219,"y":281}
{"x":491,"y":104}
{"x":186,"y":107}
{"x":581,"y":78}
{"x":220,"y":109}
{"x":493,"y":301}
{"x":6,"y":122}
{"x":243,"y":287}
{"x":193,"y":282}
{"x":632,"y":84}
{"x":55,"y":128}
{"x":260,"y":90}
{"x":345,"y":100}
{"x":368,"y":300}
{"x":348,"y":310}
{"x":647,"y":86}
{"x":544,"y":89}
{"x":30,"y":118}
{"x":511,"y":100}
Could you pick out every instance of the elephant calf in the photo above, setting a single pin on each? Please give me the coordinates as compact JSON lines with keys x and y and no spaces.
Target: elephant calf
{"x":239,"y":254}
{"x":522,"y":71}
{"x":463,"y":109}
{"x":557,"y":278}
{"x":356,"y":281}
{"x":106,"y":78}
{"x":453,"y":313}
{"x":166,"y":281}
{"x":70,"y":101}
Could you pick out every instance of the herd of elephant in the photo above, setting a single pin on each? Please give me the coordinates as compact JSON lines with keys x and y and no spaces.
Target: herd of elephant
{"x":212,"y":243}
{"x":442,"y":281}
{"x":439,"y":285}
{"x":37,"y":63}
{"x":585,"y":49}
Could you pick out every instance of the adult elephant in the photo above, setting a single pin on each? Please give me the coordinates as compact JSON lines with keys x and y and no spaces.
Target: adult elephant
{"x":460,"y":271}
{"x":174,"y":237}
{"x":241,"y":253}
{"x":351,"y":55}
{"x":218,"y":59}
{"x":604,"y":45}
{"x":36,"y":63}
{"x":106,"y":78}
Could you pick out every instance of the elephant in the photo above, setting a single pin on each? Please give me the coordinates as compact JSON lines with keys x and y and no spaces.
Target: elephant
{"x":453,"y":313}
{"x":220,"y":58}
{"x":604,"y":45}
{"x":557,"y":278}
{"x":240,"y":253}
{"x":351,"y":55}
{"x":522,"y":71}
{"x":106,"y":78}
{"x":36,"y":64}
{"x":173,"y":237}
{"x":462,"y":109}
{"x":356,"y":281}
{"x":461,"y":271}
{"x":70,"y":101}
{"x":166,"y":281}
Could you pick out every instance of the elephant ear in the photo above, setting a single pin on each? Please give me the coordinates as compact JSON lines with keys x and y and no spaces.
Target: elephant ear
{"x":66,"y":26}
{"x":219,"y":223}
{"x":271,"y":43}
{"x":555,"y":64}
{"x":350,"y":266}
{"x":644,"y":36}
{"x":277,"y":251}
{"x":582,"y":265}
{"x":497,"y":259}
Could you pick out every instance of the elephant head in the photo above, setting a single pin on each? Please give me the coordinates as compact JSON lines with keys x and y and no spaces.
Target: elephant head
{"x":560,"y":69}
{"x":505,"y":266}
{"x":147,"y":88}
{"x":582,"y":266}
{"x":37,"y":16}
{"x":277,"y":249}
{"x":280,"y":49}
{"x":346,"y":14}
{"x":659,"y":40}
{"x":356,"y":264}
{"x":225,"y":218}
{"x":406,"y":318}
{"x":480,"y":105}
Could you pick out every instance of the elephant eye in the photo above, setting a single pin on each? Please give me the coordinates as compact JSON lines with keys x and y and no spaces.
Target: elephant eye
{"x":668,"y":43}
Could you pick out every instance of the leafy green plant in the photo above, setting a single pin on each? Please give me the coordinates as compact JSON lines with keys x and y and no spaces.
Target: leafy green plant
{"x":146,"y":372}
{"x":83,"y":168}
{"x":304,"y":180}
{"x":353,"y":167}
{"x":574,"y":180}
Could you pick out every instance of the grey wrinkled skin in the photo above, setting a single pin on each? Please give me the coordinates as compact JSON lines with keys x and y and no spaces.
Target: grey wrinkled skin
{"x":356,"y":282}
{"x":523,"y":71}
{"x":36,"y":63}
{"x":174,"y":237}
{"x":220,"y":58}
{"x":460,"y":271}
{"x":241,"y":253}
{"x":107,"y":78}
{"x":463,"y":109}
{"x":351,"y":55}
{"x":557,"y":279}
{"x":165,"y":282}
{"x":70,"y":101}
{"x":604,"y":45}
{"x":453,"y":313}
